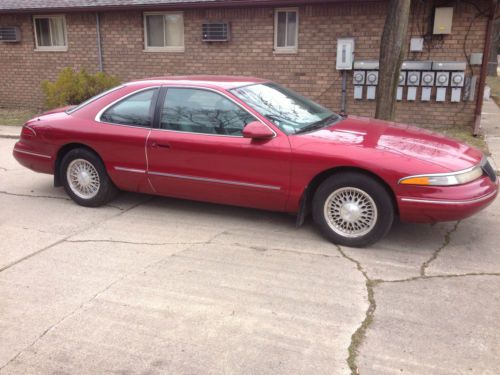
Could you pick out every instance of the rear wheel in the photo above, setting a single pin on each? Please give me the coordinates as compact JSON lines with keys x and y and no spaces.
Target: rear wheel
{"x":353,"y":209}
{"x":85,"y":179}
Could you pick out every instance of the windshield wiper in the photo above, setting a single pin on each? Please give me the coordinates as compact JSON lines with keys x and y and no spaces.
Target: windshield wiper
{"x":319,"y":124}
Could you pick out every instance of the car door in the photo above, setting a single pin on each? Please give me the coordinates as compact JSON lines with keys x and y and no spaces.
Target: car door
{"x":197,"y":151}
{"x":120,"y":138}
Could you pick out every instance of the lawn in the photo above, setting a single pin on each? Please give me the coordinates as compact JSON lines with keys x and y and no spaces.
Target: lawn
{"x":18,"y":116}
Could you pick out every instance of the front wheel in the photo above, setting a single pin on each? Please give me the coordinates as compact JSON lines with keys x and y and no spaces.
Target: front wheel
{"x":353,"y":209}
{"x":85,"y":178}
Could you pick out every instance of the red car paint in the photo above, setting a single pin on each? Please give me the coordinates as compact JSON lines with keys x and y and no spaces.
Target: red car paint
{"x":271,"y":174}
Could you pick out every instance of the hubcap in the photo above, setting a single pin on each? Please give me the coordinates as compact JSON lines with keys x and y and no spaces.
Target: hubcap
{"x":83,"y":178}
{"x":350,"y":212}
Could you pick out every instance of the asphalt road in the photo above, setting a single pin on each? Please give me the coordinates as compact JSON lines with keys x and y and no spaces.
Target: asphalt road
{"x":157,"y":285}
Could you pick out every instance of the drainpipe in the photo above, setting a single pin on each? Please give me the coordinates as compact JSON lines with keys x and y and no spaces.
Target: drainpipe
{"x":484,"y":67}
{"x":99,"y":44}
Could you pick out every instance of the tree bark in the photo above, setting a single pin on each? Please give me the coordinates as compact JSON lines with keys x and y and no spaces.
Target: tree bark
{"x":495,"y":40}
{"x":392,"y":49}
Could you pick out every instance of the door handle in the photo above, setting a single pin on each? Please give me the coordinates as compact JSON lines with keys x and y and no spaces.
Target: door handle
{"x":159,"y":145}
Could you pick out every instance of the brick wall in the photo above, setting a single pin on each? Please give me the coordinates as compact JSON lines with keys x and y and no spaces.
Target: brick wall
{"x":311,"y":71}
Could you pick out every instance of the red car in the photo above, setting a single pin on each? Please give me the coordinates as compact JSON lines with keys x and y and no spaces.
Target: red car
{"x":250,"y":142}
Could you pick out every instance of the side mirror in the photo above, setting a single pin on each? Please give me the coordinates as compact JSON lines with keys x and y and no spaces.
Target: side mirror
{"x":257,"y":130}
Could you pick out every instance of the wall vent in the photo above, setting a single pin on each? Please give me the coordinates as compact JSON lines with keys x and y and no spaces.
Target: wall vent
{"x":215,"y":32}
{"x":10,"y":34}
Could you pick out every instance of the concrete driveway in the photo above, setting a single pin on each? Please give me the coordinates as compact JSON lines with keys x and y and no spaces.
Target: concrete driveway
{"x":156,"y":285}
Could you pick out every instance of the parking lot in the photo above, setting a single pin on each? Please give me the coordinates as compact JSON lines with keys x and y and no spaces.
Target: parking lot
{"x":157,"y":285}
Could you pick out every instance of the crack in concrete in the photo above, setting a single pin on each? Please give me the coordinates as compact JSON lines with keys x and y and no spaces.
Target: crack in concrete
{"x":139,"y":243}
{"x":264,"y":249}
{"x":440,"y":276}
{"x":65,"y":238}
{"x":435,"y":254}
{"x":34,"y":196}
{"x":360,"y":333}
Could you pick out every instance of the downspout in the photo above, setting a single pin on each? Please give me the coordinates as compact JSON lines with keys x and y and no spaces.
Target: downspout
{"x":99,"y":44}
{"x":484,"y":67}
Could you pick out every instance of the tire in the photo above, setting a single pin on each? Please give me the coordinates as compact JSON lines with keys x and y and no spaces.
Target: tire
{"x":353,"y":209}
{"x":85,"y":179}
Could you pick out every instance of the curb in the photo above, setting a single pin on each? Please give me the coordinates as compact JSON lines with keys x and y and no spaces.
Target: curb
{"x":9,"y":136}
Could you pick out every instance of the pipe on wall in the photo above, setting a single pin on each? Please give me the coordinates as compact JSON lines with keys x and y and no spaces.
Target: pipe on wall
{"x":99,"y":43}
{"x":484,"y":67}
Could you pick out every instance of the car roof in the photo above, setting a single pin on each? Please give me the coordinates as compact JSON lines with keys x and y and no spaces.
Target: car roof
{"x":223,"y":82}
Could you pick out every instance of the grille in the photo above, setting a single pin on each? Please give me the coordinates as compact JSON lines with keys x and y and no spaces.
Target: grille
{"x":215,"y":32}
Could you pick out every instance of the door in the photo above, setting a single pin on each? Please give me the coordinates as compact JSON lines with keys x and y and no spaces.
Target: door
{"x":120,"y":138}
{"x":198,"y":152}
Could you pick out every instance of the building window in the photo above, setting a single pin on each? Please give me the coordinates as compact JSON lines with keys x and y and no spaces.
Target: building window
{"x":50,"y":33}
{"x":164,"y":31}
{"x":286,"y":30}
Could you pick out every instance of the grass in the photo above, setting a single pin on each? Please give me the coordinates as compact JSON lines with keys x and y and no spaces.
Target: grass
{"x":494,"y":83}
{"x":16,"y":116}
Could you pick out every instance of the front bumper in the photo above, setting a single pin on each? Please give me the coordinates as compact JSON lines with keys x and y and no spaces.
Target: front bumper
{"x":449,"y":203}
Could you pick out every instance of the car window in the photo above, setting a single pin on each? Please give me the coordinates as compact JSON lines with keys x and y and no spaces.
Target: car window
{"x":134,"y":110}
{"x":202,"y":111}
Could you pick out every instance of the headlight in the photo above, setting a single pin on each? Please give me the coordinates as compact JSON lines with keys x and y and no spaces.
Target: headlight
{"x":444,"y":179}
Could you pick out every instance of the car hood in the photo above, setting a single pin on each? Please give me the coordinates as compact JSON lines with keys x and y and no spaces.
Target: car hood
{"x":405,"y":140}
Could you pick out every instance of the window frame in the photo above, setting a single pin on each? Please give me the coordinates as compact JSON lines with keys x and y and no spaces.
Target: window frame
{"x":164,"y":48}
{"x":152,"y":107}
{"x":51,"y":48}
{"x":162,"y":97}
{"x":286,"y":49}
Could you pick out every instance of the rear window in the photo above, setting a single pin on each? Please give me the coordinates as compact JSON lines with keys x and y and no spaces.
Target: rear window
{"x":93,"y":99}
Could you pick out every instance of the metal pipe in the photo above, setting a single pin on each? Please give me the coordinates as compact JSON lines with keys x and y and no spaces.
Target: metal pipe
{"x":484,"y":67}
{"x":344,"y":93}
{"x":99,"y":43}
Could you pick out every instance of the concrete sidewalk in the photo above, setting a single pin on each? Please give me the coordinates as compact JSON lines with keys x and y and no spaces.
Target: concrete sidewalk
{"x":10,"y":131}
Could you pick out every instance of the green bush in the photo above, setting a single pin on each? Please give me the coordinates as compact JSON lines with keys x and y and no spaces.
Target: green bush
{"x":73,"y":88}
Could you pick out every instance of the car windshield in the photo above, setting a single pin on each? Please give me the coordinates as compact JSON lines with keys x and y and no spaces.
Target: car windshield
{"x":92,"y":99}
{"x":289,"y":111}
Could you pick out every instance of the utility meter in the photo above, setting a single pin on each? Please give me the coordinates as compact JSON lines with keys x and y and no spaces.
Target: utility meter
{"x":413,"y":78}
{"x":372,"y":78}
{"x":442,"y":79}
{"x":358,"y":77}
{"x":402,"y":79}
{"x":345,"y":53}
{"x":428,"y":78}
{"x":457,"y":79}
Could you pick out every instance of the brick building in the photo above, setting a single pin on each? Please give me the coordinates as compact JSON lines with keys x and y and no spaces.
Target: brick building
{"x":292,"y":42}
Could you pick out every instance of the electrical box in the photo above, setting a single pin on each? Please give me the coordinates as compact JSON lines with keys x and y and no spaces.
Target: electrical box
{"x":416,"y":65}
{"x":366,"y":64}
{"x":399,"y":93}
{"x":345,"y":53}
{"x":372,"y":78}
{"x":370,"y":92}
{"x":449,"y":65}
{"x":358,"y":92}
{"x":476,"y":58}
{"x":358,"y":77}
{"x":443,"y":20}
{"x":416,"y":44}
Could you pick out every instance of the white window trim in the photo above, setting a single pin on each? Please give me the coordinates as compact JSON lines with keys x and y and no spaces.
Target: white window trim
{"x":51,"y":48}
{"x":293,"y":49}
{"x":166,"y":48}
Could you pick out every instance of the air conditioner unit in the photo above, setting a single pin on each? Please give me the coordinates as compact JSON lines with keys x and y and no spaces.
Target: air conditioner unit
{"x":10,"y":34}
{"x":215,"y":32}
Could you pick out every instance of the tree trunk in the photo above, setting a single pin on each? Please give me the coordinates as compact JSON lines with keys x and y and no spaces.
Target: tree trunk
{"x":495,"y":40}
{"x":392,"y":50}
